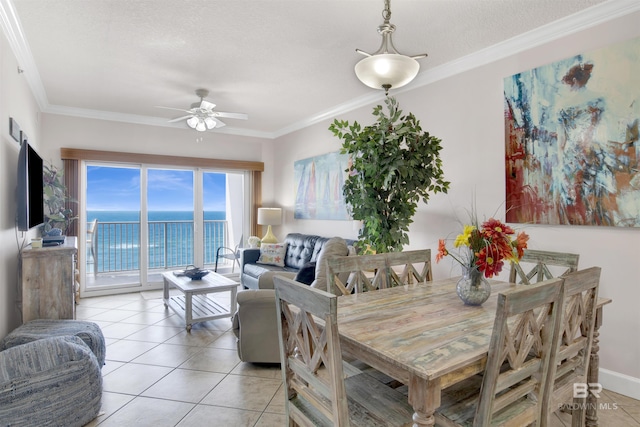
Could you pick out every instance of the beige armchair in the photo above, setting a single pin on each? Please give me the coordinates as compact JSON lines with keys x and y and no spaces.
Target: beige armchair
{"x":255,"y":325}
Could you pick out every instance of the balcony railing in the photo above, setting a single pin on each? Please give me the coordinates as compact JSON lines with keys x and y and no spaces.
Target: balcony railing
{"x":171,"y":244}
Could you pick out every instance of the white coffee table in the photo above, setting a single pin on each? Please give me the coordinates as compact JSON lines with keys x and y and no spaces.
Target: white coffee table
{"x":195,"y":304}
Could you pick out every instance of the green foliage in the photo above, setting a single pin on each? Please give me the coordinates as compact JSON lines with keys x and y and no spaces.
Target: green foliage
{"x":55,"y":195}
{"x":393,"y":165}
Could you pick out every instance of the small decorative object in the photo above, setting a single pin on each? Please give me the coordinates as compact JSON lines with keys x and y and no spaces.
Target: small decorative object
{"x":473,"y":288}
{"x":14,"y":130}
{"x":36,"y":243}
{"x":54,"y":232}
{"x":254,"y":242}
{"x":483,"y":252}
{"x":195,"y":273}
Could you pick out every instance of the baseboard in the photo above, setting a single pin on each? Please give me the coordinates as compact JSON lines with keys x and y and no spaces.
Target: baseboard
{"x":620,"y":383}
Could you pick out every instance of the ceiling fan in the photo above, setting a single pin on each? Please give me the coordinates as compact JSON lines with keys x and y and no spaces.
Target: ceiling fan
{"x":202,"y":116}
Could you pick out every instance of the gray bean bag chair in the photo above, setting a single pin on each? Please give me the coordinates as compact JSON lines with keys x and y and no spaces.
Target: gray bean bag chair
{"x":37,"y":329}
{"x":49,"y":382}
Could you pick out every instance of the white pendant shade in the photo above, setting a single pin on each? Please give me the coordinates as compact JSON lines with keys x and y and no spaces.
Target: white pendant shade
{"x":192,"y":122}
{"x":210,"y":123}
{"x":387,"y":70}
{"x":200,"y":124}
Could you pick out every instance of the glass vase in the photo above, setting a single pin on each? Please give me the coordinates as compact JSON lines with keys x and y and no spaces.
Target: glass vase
{"x":473,"y":288}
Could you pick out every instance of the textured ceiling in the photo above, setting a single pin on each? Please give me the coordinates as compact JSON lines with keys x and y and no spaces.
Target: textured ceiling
{"x":281,"y":62}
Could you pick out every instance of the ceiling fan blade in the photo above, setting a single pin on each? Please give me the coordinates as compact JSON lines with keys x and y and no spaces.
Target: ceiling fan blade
{"x":177,"y":109}
{"x":240,"y":116}
{"x":206,"y":105}
{"x":180,"y":118}
{"x":219,"y":123}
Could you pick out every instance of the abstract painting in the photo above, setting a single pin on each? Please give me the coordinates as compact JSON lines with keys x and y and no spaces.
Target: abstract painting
{"x":571,"y":134}
{"x":318,"y":187}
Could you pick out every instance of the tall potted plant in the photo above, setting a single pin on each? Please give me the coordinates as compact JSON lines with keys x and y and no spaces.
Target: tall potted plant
{"x":393,"y":165}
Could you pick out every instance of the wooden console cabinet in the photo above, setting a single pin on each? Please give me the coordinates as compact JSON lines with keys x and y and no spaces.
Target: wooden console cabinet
{"x":48,"y":281}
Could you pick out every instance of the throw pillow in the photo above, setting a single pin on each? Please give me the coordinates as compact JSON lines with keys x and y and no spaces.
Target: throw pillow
{"x":333,"y":246}
{"x":272,"y":254}
{"x":306,"y":274}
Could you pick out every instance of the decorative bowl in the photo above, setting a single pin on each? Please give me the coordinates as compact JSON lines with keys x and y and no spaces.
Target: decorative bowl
{"x":195,"y":273}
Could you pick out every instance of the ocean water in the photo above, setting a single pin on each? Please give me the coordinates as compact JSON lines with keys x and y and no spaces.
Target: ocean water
{"x":122,"y":216}
{"x":171,"y":240}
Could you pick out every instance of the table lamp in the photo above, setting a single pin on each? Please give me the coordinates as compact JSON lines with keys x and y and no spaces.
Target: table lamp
{"x":269,"y":217}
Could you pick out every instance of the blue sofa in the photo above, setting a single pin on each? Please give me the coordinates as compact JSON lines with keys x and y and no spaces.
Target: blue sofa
{"x":301,"y":249}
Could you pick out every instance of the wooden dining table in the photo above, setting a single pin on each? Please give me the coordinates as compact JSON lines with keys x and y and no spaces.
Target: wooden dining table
{"x":425,"y":337}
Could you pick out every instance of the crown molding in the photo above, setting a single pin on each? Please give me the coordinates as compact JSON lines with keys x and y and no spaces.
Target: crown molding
{"x":582,"y":20}
{"x":15,"y":36}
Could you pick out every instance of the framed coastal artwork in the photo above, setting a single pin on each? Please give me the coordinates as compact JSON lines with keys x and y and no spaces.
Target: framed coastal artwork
{"x":571,"y":135}
{"x":318,"y":185}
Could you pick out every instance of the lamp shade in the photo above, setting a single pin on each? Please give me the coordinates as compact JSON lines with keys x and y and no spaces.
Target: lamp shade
{"x":387,"y":70}
{"x":193,"y":122}
{"x":269,"y":216}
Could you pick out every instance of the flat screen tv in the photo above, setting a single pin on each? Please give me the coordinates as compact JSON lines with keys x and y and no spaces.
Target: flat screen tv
{"x":30,"y":191}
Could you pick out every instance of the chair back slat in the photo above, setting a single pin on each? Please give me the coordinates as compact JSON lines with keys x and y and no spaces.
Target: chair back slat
{"x":540,"y":270}
{"x":381,"y":271}
{"x":522,"y":351}
{"x":576,"y":339}
{"x":312,"y":358}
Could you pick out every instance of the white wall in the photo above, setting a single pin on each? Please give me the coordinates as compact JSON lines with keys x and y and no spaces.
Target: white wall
{"x":90,"y":134}
{"x":466,"y":112}
{"x":15,"y":101}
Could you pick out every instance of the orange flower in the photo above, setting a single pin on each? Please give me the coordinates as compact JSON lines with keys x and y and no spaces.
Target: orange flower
{"x":442,"y":250}
{"x":521,"y":243}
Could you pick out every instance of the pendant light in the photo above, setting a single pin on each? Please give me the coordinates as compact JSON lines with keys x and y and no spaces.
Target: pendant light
{"x":201,"y":124}
{"x":386,"y":68}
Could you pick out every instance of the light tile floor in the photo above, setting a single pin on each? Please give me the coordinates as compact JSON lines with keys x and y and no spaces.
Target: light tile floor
{"x":157,"y":374}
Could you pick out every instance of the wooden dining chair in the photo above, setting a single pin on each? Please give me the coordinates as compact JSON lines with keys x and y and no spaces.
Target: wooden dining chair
{"x":379,"y":271}
{"x":408,"y":261}
{"x":542,"y":261}
{"x":514,"y":389}
{"x":312,"y":368}
{"x":576,"y":338}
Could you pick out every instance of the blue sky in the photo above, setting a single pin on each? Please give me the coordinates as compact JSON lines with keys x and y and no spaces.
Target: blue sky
{"x":111,"y":188}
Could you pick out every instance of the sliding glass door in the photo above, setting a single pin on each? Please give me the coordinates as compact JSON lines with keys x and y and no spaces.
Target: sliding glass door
{"x":149,"y":220}
{"x":113,"y":212}
{"x":170,"y":219}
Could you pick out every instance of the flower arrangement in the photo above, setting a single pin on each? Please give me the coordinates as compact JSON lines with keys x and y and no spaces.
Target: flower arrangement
{"x":253,"y":241}
{"x":487,"y":247}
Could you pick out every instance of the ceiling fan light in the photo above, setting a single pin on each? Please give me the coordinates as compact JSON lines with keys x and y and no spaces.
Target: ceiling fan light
{"x":210,"y":123}
{"x":201,"y":127}
{"x":192,"y":122}
{"x":387,"y":70}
